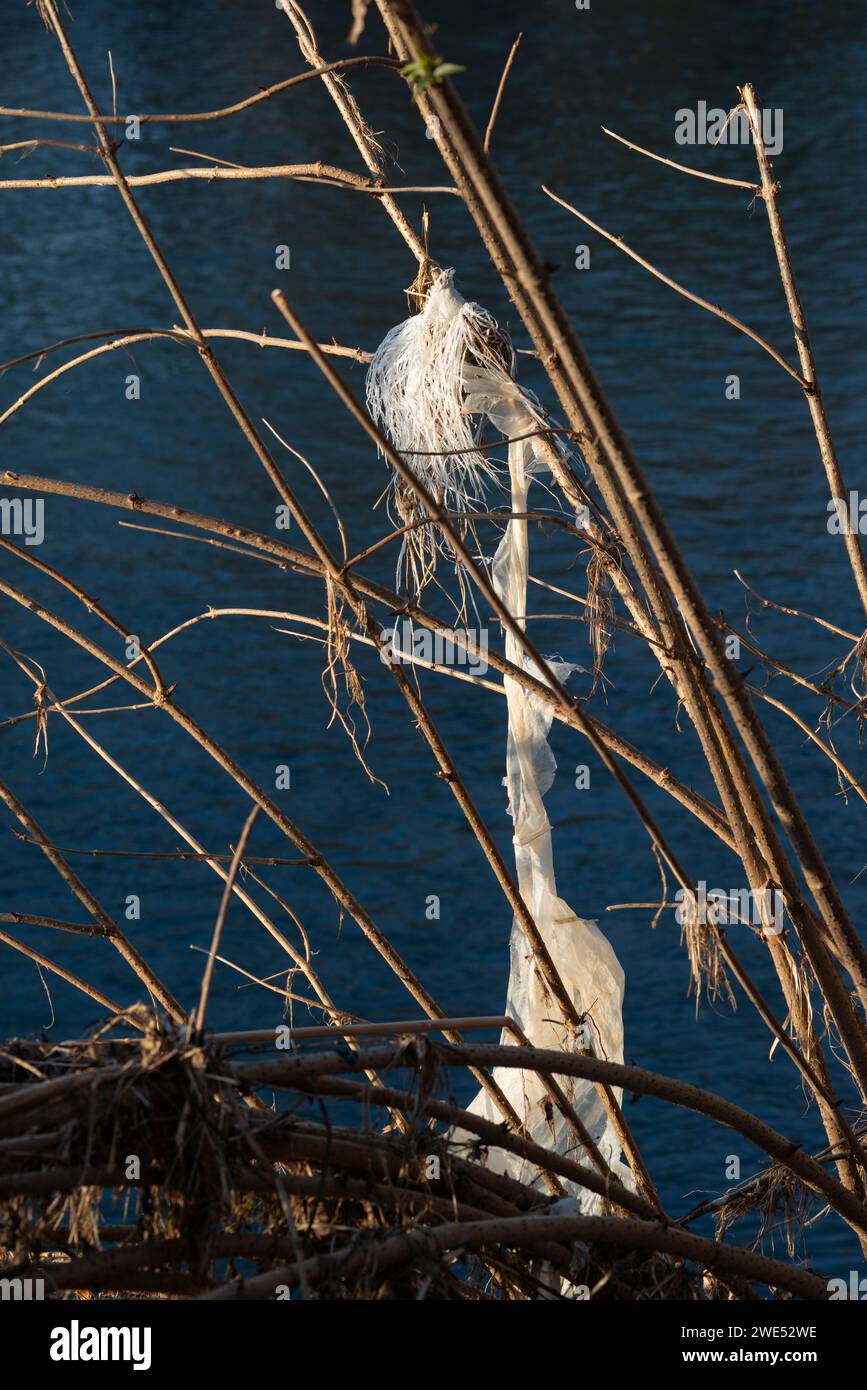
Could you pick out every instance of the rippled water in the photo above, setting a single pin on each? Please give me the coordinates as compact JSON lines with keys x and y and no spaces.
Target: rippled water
{"x":741,"y":481}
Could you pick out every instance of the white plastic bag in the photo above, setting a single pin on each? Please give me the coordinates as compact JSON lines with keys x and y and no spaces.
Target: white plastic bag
{"x":429,"y":386}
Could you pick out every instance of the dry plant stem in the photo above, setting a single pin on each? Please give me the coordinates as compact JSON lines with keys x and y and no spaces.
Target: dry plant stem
{"x":45,"y":144}
{"x":377,"y":1159}
{"x":810,"y":1062}
{"x":197,"y":1021}
{"x":289,"y":995}
{"x":179,"y":335}
{"x":305,"y":173}
{"x":296,"y":1071}
{"x":814,"y":737}
{"x":392,"y":1196}
{"x":92,"y":606}
{"x":253,"y":1037}
{"x":69,"y":1179}
{"x":268,"y":861}
{"x":495,"y":109}
{"x":370,"y":1161}
{"x":674,"y":657}
{"x":625,"y":491}
{"x":604,"y":1185}
{"x":374,"y":1157}
{"x":829,"y":696}
{"x":726,"y":767}
{"x":38,"y":1097}
{"x":757,"y":1181}
{"x":27,"y":919}
{"x":147,"y":334}
{"x":795,"y":612}
{"x":544,"y":519}
{"x":49,"y":9}
{"x":380,"y":1156}
{"x":833,"y":472}
{"x":107,"y":926}
{"x":62,"y":972}
{"x":680,"y":289}
{"x":684,"y":168}
{"x":737,"y":792}
{"x":198,"y":116}
{"x":573,"y":1120}
{"x":351,"y":115}
{"x":517,"y":1232}
{"x":691,"y":691}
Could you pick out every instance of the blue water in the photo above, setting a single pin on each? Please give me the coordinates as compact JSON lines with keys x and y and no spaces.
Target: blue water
{"x":741,"y":482}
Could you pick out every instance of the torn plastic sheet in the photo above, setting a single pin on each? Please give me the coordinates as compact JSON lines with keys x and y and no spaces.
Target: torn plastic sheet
{"x":429,"y":388}
{"x":583,"y":956}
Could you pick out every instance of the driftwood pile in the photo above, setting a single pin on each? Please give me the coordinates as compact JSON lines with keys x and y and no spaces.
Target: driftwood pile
{"x":162,"y":1165}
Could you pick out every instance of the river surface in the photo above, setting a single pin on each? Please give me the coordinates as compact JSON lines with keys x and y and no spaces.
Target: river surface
{"x":740,"y":479}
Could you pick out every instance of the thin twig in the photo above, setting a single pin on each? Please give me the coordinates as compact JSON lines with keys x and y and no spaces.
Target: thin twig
{"x":818,"y":415}
{"x":753,"y":188}
{"x":304,"y":173}
{"x":495,"y":109}
{"x":197,"y":1021}
{"x":681,"y":289}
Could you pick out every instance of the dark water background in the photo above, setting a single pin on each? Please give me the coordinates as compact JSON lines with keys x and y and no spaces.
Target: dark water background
{"x":741,"y":481}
